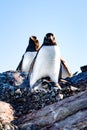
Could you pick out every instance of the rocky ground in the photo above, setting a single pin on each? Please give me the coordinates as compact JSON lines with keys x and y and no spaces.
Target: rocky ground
{"x":15,"y":90}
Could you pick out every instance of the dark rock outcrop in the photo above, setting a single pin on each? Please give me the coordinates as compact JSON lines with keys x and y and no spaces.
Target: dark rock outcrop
{"x":32,"y":107}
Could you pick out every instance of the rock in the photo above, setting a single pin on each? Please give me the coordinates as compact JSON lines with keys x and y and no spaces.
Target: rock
{"x":15,"y":90}
{"x":83,"y":68}
{"x":6,"y":112}
{"x":6,"y":116}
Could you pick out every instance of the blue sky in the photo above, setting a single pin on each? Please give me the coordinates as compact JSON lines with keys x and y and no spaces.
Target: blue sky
{"x":19,"y":19}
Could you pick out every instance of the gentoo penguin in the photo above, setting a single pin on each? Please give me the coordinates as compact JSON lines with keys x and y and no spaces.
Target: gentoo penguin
{"x":47,"y":61}
{"x":29,"y":54}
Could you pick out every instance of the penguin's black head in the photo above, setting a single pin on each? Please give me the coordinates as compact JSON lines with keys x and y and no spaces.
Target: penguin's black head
{"x":49,"y":40}
{"x":34,"y":44}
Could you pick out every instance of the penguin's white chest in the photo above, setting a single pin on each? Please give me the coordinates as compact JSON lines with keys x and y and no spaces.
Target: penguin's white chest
{"x":47,"y":64}
{"x":27,"y":60}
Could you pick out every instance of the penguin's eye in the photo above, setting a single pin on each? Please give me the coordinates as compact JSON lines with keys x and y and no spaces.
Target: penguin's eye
{"x":53,"y":38}
{"x":36,"y":40}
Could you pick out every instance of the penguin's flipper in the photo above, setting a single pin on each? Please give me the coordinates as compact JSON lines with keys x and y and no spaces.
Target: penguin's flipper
{"x":19,"y":68}
{"x":64,"y":70}
{"x":31,"y":66}
{"x":60,"y":73}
